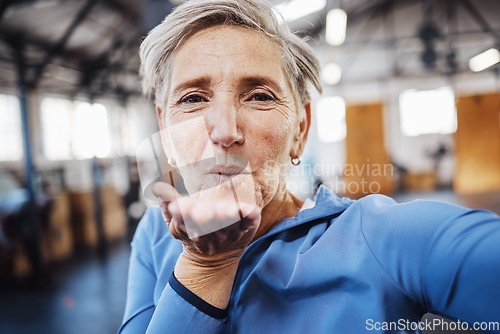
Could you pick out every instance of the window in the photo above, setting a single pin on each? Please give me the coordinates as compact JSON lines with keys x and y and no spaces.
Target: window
{"x":91,"y":133}
{"x":131,"y":137}
{"x":74,"y":129}
{"x":11,"y":147}
{"x":331,"y":119}
{"x":56,"y":127}
{"x":428,"y":111}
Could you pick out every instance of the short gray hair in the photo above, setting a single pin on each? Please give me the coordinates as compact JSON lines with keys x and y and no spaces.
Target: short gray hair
{"x":158,"y":48}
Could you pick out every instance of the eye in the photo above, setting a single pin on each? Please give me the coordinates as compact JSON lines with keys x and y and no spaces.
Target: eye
{"x":262,"y":97}
{"x":193,"y":98}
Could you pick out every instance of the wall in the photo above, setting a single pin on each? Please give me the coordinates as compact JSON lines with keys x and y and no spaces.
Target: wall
{"x":132,"y":124}
{"x":409,"y":152}
{"x":478,"y":144}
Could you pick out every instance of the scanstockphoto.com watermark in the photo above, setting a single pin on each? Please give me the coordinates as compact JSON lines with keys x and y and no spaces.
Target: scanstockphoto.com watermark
{"x":436,"y":324}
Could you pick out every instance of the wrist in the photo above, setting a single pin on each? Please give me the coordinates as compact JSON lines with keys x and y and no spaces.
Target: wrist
{"x":189,"y":268}
{"x":200,"y":260}
{"x":211,"y":281}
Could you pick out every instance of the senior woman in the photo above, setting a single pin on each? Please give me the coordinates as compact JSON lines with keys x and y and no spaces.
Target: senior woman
{"x":230,"y":80}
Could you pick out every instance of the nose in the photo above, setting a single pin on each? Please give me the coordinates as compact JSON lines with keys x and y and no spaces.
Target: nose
{"x":224,"y":125}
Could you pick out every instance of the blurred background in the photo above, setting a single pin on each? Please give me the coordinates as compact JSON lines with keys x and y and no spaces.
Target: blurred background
{"x":411,"y":109}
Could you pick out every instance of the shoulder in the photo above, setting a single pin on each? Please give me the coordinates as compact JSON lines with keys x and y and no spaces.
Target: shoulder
{"x":381,"y":214}
{"x":382,"y":204}
{"x":402,"y":237}
{"x":386,"y":223}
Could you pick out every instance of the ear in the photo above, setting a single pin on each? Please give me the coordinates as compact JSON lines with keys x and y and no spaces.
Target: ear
{"x":300,"y":139}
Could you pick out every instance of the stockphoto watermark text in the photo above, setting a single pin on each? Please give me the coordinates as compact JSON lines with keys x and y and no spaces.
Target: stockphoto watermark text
{"x":438,"y":324}
{"x":342,"y":178}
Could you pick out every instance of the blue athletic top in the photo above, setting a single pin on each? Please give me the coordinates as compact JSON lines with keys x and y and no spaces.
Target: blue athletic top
{"x":343,"y":266}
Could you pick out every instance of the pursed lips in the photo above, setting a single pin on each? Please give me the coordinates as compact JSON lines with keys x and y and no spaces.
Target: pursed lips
{"x":227,"y":172}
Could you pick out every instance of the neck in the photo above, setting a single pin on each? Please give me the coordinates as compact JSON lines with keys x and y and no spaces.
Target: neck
{"x":283,"y":205}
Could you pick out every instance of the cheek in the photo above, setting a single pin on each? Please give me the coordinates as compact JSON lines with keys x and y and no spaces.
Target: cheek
{"x":276,"y":137}
{"x":271,"y":143}
{"x":189,"y":141}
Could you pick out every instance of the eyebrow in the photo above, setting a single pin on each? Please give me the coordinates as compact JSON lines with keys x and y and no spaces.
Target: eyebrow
{"x":262,"y":80}
{"x":245,"y":82}
{"x":197,"y":82}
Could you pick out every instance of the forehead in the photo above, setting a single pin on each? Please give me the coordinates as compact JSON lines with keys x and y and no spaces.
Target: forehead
{"x":229,"y":51}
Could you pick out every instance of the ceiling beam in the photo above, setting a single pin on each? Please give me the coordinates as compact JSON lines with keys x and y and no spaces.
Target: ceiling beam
{"x":6,"y":34}
{"x":479,"y":18}
{"x":128,"y":12}
{"x":3,"y":7}
{"x":369,"y":7}
{"x":79,"y":18}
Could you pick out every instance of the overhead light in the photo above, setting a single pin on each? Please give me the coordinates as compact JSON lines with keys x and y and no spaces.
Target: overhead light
{"x":331,"y":74}
{"x":336,"y":24}
{"x":292,"y":10}
{"x":484,"y":60}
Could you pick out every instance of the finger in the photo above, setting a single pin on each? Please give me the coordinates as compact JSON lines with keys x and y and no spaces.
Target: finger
{"x":202,"y":212}
{"x":250,"y":211}
{"x":165,"y":192}
{"x":165,"y":213}
{"x":226,"y":210}
{"x":177,"y":229}
{"x":227,"y":214}
{"x":221,"y":235}
{"x":198,"y":218}
{"x":181,"y":208}
{"x":177,"y":226}
{"x":252,"y":220}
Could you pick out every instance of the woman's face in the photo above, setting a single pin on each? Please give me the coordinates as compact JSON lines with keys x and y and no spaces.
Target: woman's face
{"x":230,"y":121}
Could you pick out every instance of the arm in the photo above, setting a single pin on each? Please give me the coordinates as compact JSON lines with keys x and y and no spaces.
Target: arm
{"x":462,"y":275}
{"x":141,"y":282}
{"x":175,"y":311}
{"x":445,"y":257}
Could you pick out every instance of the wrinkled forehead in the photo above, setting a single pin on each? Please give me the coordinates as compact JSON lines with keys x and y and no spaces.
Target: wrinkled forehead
{"x":233,"y":49}
{"x":220,"y":46}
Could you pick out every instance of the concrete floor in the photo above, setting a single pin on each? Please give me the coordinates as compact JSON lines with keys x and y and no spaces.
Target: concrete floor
{"x":88,"y":294}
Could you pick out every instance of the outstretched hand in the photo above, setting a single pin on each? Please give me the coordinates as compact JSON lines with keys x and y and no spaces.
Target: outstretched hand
{"x":188,"y":218}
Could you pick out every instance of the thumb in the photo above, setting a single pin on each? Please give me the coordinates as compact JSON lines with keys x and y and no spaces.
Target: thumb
{"x":165,"y":192}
